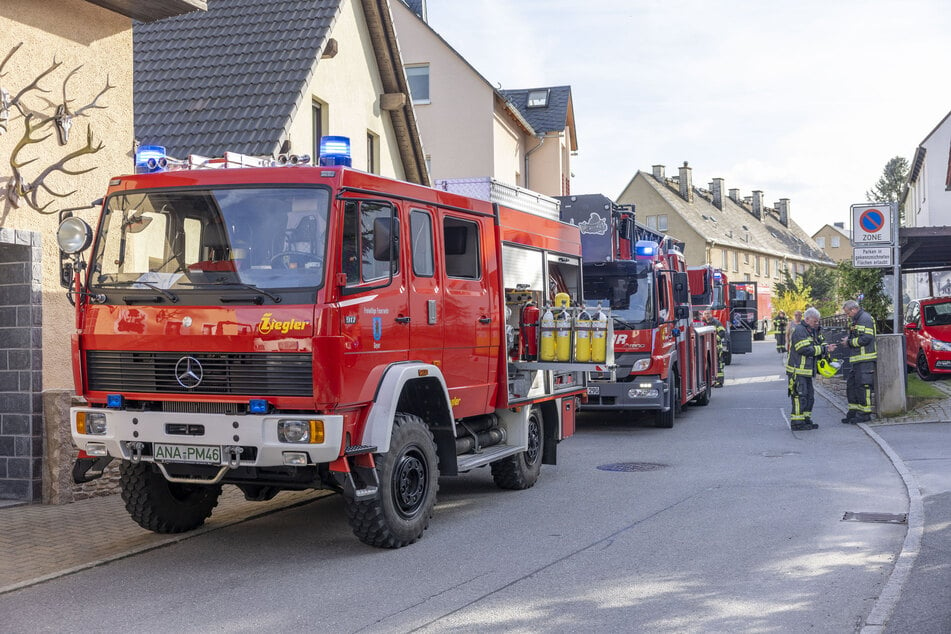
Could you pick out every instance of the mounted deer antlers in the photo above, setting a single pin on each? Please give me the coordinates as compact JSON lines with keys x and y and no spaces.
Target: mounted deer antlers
{"x":34,"y":124}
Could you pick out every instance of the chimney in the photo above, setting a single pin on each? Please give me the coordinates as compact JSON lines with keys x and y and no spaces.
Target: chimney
{"x":783,"y":208}
{"x":686,"y":183}
{"x":839,"y":225}
{"x":735,"y":196}
{"x":659,"y":173}
{"x":717,"y":189}
{"x":758,"y":204}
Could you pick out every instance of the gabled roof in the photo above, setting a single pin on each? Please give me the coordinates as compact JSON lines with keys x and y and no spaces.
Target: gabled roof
{"x":556,"y":116}
{"x":232,"y":78}
{"x":735,"y":226}
{"x":845,"y":232}
{"x":149,"y":10}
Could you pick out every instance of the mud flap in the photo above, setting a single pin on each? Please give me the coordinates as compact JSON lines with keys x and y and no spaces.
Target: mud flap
{"x":87,"y":469}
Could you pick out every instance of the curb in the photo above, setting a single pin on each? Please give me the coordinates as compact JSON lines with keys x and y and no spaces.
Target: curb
{"x":905,"y":561}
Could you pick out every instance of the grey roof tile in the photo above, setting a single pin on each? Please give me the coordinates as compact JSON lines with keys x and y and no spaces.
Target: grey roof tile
{"x":551,"y":118}
{"x":227,"y":79}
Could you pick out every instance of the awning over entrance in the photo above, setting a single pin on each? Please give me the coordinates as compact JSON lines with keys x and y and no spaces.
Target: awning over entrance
{"x":925,"y":249}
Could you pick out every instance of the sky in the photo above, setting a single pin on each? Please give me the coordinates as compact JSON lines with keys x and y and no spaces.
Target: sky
{"x":801,"y":99}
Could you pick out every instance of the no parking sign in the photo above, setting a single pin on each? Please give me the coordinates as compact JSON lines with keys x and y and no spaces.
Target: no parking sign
{"x":871,"y":224}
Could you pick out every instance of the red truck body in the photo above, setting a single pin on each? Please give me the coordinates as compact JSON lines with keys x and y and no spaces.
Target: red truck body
{"x":314,"y":327}
{"x":663,"y":360}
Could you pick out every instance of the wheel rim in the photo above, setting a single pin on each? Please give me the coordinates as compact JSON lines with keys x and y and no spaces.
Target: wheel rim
{"x":410,"y":482}
{"x":534,"y":441}
{"x":923,"y":370}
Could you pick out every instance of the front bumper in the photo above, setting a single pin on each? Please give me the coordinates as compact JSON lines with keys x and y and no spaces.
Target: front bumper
{"x":643,"y":393}
{"x":132,"y":436}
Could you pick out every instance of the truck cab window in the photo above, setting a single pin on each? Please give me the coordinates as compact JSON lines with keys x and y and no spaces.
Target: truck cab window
{"x":421,"y":232}
{"x":461,"y":244}
{"x":370,"y":242}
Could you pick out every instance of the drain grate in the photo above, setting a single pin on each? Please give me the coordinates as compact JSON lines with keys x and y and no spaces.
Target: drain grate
{"x":629,"y":467}
{"x":881,"y":518}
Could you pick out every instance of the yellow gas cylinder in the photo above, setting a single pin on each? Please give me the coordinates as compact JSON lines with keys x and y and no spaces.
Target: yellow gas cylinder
{"x":599,"y":336}
{"x":562,"y":328}
{"x":546,"y":348}
{"x":583,"y":336}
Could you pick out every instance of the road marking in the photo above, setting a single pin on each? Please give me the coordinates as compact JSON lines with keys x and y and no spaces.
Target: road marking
{"x":756,"y":379}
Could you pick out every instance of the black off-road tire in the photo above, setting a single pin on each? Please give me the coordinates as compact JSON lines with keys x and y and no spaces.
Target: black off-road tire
{"x":665,"y":420}
{"x":409,"y":480}
{"x":922,"y":370}
{"x":162,"y":506}
{"x":521,"y":470}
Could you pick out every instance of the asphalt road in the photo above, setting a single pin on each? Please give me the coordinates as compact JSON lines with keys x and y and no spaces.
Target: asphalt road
{"x":727,"y":522}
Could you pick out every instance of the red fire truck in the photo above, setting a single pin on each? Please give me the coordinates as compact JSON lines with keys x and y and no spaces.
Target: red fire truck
{"x":307,"y":327}
{"x":663,"y":360}
{"x":711,"y":290}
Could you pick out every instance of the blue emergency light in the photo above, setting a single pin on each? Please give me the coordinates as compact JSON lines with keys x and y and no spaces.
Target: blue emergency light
{"x":335,"y":150}
{"x":150,"y":158}
{"x":645,"y":249}
{"x":717,"y":275}
{"x":114,"y":401}
{"x":258,"y":406}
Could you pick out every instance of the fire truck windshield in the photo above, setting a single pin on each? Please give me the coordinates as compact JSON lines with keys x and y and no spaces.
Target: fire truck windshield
{"x":266,"y":237}
{"x":627,"y":287}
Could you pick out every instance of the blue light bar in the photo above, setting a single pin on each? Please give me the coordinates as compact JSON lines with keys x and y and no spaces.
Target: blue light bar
{"x":718,"y":275}
{"x":150,"y":158}
{"x":257,"y":406}
{"x":335,"y":150}
{"x":114,"y":401}
{"x":645,"y":249}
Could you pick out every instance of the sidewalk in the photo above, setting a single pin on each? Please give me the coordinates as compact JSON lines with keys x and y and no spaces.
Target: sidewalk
{"x":935,"y":411}
{"x":40,"y":542}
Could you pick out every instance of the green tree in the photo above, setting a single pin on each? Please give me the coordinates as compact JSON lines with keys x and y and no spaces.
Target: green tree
{"x":867,"y":284}
{"x":891,"y":185}
{"x":822,"y":283}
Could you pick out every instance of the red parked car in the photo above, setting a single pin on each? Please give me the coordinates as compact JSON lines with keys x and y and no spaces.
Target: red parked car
{"x":928,"y":337}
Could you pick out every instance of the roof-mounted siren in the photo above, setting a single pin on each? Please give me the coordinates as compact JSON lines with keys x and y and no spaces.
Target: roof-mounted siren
{"x":646,"y":250}
{"x":293,"y":159}
{"x":150,"y":158}
{"x":335,"y":150}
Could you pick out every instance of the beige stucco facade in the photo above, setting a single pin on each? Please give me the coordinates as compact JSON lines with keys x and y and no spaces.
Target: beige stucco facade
{"x":348,"y":88}
{"x":98,"y":43}
{"x":834,"y":242}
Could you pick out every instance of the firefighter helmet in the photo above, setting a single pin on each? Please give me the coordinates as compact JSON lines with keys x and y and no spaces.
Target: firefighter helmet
{"x":827,"y":369}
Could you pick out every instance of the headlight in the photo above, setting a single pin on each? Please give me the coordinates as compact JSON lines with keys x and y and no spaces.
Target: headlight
{"x":301,"y":431}
{"x":74,"y":235}
{"x":91,"y":423}
{"x":641,"y":364}
{"x":940,"y":346}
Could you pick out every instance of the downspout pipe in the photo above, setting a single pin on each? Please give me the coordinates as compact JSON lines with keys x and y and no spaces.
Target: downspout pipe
{"x":541,"y":141}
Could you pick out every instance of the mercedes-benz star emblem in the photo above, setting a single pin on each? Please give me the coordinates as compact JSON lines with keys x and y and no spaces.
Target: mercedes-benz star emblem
{"x":188,"y":372}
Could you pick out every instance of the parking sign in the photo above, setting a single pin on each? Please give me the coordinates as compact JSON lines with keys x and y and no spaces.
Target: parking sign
{"x":872,"y":224}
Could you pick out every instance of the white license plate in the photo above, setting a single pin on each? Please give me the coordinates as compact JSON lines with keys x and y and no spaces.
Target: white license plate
{"x":594,"y":390}
{"x":201,"y":454}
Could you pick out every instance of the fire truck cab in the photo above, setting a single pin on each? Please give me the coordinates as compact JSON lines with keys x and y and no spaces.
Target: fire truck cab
{"x":306,"y":327}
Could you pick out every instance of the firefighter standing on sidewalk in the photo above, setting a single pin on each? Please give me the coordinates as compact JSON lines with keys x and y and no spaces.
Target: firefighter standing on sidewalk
{"x":805,"y":349}
{"x":862,"y":357}
{"x":779,"y":326}
{"x":710,"y":320}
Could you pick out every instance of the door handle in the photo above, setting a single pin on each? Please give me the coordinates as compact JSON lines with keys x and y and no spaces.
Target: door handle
{"x":485,"y":320}
{"x":402,"y":320}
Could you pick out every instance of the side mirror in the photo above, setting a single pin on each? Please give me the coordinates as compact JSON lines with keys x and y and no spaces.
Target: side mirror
{"x":911,"y":326}
{"x":385,"y":239}
{"x":682,"y":312}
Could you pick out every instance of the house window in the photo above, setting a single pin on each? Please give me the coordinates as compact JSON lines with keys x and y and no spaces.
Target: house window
{"x":418,"y":78}
{"x":662,"y":222}
{"x":725,"y":262}
{"x":652,"y":222}
{"x":821,"y":241}
{"x":765,"y":267}
{"x":736,"y":261}
{"x":373,"y":153}
{"x":777,"y":268}
{"x":746,"y":258}
{"x":756,"y":266}
{"x":835,"y":242}
{"x":538,"y":98}
{"x":317,"y":124}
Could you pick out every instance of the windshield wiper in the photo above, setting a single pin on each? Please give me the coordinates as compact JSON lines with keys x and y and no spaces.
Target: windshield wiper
{"x":251,"y":287}
{"x":172,"y":297}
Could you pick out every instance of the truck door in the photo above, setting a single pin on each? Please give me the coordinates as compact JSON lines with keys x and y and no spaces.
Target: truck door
{"x":469,"y":357}
{"x":374,"y":308}
{"x":426,"y":310}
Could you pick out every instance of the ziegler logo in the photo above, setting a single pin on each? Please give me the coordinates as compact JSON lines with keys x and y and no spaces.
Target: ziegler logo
{"x":269,"y":325}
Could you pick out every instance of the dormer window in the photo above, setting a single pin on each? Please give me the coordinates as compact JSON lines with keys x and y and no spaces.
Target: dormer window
{"x":538,"y":98}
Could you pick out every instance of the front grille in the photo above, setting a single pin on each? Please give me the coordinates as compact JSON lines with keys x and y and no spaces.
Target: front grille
{"x":259,"y":374}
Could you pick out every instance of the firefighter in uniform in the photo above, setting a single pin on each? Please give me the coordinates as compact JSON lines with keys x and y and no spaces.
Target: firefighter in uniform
{"x":862,"y":356}
{"x":779,"y":325}
{"x":710,"y":320}
{"x":805,"y":349}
